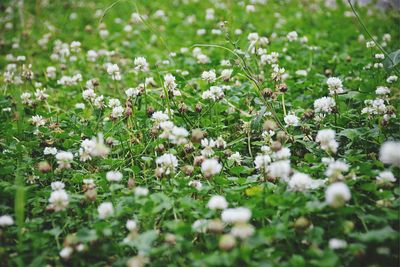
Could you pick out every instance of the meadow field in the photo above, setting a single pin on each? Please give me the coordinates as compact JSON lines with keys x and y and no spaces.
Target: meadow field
{"x":199,"y":133}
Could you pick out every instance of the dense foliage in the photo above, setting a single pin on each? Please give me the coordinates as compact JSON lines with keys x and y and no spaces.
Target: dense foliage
{"x":199,"y":133}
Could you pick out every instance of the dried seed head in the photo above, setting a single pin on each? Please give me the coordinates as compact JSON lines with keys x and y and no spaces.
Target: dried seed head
{"x":44,"y":166}
{"x":197,"y":135}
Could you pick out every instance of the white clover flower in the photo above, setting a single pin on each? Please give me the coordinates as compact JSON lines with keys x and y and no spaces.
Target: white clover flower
{"x":93,"y":148}
{"x":226,"y":74}
{"x":236,"y":215}
{"x":382,"y":90}
{"x":88,"y":94}
{"x":167,"y":127}
{"x":236,"y":157}
{"x":217,"y":202}
{"x":6,"y":220}
{"x":214,"y":93}
{"x":336,"y":169}
{"x":92,"y":55}
{"x":200,"y":226}
{"x":141,"y":64}
{"x":75,"y":46}
{"x":114,"y":72}
{"x":210,"y":167}
{"x":141,"y":191}
{"x":41,"y":94}
{"x":132,"y":92}
{"x":131,"y":225}
{"x":335,"y":243}
{"x":337,"y":194}
{"x":291,"y":120}
{"x":159,"y":117}
{"x":38,"y":120}
{"x":57,"y":185}
{"x":64,"y":159}
{"x":335,"y":85}
{"x":209,"y":76}
{"x":169,"y":82}
{"x":389,"y":153}
{"x":80,"y":106}
{"x":253,"y":37}
{"x":51,"y":72}
{"x":167,"y":163}
{"x":262,"y":162}
{"x":292,"y":36}
{"x":301,"y":73}
{"x":386,"y":177}
{"x":327,"y":141}
{"x":66,"y":252}
{"x":301,"y":182}
{"x":114,"y":176}
{"x":105,"y":210}
{"x":59,"y":200}
{"x":220,"y":142}
{"x":370,"y":44}
{"x":324,"y":105}
{"x":117,"y":112}
{"x":178,"y":136}
{"x":196,"y":184}
{"x":392,"y":79}
{"x":208,"y":145}
{"x":281,"y":154}
{"x":242,"y":230}
{"x":50,"y":151}
{"x":280,"y":168}
{"x":114,"y":102}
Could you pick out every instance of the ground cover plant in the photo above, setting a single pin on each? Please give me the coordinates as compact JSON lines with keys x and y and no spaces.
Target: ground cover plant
{"x":199,"y":133}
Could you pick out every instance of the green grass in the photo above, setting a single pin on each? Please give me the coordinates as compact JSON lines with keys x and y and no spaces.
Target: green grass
{"x":291,"y":227}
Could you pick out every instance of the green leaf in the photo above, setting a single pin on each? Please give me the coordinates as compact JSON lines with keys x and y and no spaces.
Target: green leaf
{"x":393,"y":59}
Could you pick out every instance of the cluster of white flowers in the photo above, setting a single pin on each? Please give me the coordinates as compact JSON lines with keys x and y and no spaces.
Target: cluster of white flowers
{"x":159,"y":117}
{"x":38,"y":120}
{"x":40,"y":94}
{"x":302,"y":182}
{"x":170,"y":84}
{"x":201,"y":58}
{"x":389,"y":153}
{"x":6,"y":220}
{"x":210,"y":167}
{"x":70,"y":80}
{"x":113,"y":71}
{"x":176,"y":135}
{"x":105,"y":210}
{"x":337,"y":194}
{"x":335,"y":169}
{"x":167,"y":164}
{"x":239,"y":217}
{"x":214,"y":93}
{"x":59,"y":198}
{"x":217,"y":202}
{"x":291,"y":120}
{"x":64,"y":159}
{"x":114,"y":176}
{"x":335,"y":86}
{"x":324,"y":105}
{"x":326,"y":140}
{"x":93,"y":148}
{"x":379,"y":106}
{"x":141,"y":64}
{"x":209,"y":76}
{"x":386,"y":177}
{"x":262,"y":163}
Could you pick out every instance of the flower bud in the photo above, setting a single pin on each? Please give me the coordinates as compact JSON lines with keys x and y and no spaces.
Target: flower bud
{"x":227,"y":242}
